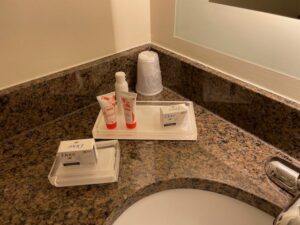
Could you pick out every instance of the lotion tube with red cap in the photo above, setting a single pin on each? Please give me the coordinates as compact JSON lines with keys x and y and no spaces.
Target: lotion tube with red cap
{"x":108,"y":106}
{"x":129,"y":108}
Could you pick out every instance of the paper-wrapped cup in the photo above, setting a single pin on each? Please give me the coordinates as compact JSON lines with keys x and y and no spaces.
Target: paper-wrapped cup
{"x":149,"y":81}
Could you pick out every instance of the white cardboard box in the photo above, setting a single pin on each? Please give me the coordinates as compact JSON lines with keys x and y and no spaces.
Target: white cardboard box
{"x":77,"y":152}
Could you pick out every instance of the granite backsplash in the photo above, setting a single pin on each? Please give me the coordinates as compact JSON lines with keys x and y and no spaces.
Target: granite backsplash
{"x":270,"y":117}
{"x":39,"y":101}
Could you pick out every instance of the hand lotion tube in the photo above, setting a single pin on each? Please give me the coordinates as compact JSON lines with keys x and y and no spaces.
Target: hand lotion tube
{"x":108,"y":106}
{"x":129,"y":107}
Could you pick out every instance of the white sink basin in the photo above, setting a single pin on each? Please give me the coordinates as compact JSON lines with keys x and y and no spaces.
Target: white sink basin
{"x":192,"y":207}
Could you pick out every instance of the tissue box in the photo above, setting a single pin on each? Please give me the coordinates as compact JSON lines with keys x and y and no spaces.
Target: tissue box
{"x":77,"y":152}
{"x":172,"y":115}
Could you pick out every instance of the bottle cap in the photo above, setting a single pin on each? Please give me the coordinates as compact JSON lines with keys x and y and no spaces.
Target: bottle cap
{"x":120,"y":77}
{"x":111,"y":126}
{"x":131,"y":126}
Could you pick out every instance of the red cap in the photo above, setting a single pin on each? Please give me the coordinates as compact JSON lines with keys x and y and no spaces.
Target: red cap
{"x":131,"y":126}
{"x":111,"y":126}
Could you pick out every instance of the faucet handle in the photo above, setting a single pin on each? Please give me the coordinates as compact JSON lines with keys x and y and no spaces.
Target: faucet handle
{"x":284,"y":175}
{"x":291,"y":216}
{"x":295,"y":221}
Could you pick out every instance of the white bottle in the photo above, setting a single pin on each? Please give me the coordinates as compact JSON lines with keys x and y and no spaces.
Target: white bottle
{"x":120,"y":85}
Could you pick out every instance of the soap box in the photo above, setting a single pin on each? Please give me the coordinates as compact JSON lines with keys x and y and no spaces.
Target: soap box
{"x":106,"y":170}
{"x":172,"y":115}
{"x":77,"y":152}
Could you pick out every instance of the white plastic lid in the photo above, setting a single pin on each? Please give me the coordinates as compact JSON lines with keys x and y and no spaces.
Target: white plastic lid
{"x":120,"y":77}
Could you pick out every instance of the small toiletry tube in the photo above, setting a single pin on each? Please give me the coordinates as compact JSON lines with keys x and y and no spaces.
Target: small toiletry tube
{"x":77,"y":153}
{"x":172,"y":115}
{"x":129,"y":107}
{"x":108,"y":106}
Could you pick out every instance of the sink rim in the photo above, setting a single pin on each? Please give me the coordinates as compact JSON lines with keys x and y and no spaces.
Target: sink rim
{"x":182,"y":205}
{"x":193,"y":183}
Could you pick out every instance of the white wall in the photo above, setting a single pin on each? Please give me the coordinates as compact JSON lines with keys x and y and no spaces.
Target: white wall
{"x":162,"y":33}
{"x":41,"y":37}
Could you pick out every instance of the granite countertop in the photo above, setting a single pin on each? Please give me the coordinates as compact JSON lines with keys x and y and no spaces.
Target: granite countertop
{"x":224,"y":159}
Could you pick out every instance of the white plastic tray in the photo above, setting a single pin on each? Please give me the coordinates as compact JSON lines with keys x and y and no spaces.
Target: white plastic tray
{"x":148,"y":124}
{"x":105,"y":171}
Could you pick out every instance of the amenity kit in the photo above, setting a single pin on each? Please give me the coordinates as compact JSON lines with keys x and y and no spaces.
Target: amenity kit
{"x":82,"y":162}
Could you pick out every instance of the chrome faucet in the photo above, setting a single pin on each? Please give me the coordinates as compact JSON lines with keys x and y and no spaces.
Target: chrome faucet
{"x":286,"y":176}
{"x":290,"y":216}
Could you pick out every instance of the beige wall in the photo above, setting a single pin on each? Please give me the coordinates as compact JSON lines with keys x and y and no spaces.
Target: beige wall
{"x":41,"y":37}
{"x":162,"y":33}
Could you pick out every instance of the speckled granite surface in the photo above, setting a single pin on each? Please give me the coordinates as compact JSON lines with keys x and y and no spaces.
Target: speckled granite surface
{"x":268,"y":116}
{"x":225,"y":159}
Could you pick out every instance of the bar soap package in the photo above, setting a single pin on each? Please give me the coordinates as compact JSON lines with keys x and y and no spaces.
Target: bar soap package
{"x":84,"y":161}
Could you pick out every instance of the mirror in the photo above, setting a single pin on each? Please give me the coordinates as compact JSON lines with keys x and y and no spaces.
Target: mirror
{"x":289,"y":8}
{"x":264,"y":39}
